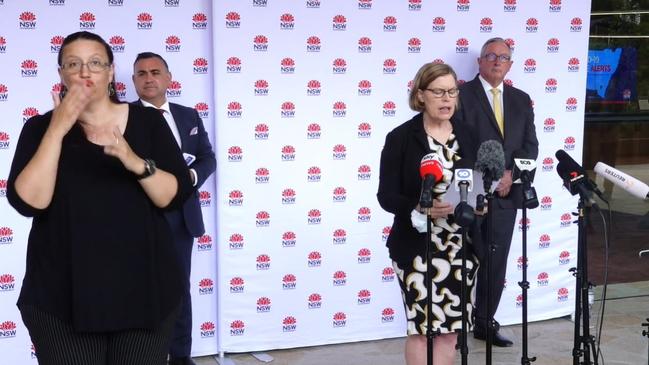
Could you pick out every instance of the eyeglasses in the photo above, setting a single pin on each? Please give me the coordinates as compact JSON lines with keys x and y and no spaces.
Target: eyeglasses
{"x":94,"y":66}
{"x":492,"y":57}
{"x":439,"y":93}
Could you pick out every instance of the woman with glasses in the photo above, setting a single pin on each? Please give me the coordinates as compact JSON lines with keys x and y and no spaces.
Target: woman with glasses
{"x":101,"y":284}
{"x":434,"y":95}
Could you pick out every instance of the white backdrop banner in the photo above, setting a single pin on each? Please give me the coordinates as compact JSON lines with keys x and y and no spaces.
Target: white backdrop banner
{"x":305,"y":93}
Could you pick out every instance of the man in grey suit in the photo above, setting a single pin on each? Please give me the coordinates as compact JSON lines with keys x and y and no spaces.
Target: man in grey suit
{"x":151,"y":78}
{"x":492,"y":110}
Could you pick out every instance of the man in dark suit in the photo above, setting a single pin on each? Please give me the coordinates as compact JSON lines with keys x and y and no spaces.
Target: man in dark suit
{"x":151,"y":78}
{"x":492,"y":110}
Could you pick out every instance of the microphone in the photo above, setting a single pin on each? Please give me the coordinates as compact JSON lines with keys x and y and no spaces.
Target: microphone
{"x":574,"y":177}
{"x":431,"y":172}
{"x":629,"y":183}
{"x":523,"y":173}
{"x":490,"y":162}
{"x":463,"y":181}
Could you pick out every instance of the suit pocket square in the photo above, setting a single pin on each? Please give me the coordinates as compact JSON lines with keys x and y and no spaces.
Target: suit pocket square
{"x":193,"y":131}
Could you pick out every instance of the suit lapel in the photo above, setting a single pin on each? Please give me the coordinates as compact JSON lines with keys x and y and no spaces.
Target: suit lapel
{"x":183,"y":129}
{"x":419,"y":132}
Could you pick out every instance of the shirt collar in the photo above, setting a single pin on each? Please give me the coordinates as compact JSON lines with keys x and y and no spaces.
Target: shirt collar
{"x":164,"y":106}
{"x":487,"y":86}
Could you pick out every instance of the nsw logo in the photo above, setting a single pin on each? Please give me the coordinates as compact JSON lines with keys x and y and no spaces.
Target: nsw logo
{"x":199,"y":21}
{"x":3,"y":44}
{"x":571,"y":104}
{"x":172,"y":3}
{"x":172,"y":44}
{"x":414,"y":5}
{"x":385,"y":233}
{"x":206,"y":286}
{"x":389,"y":109}
{"x":439,"y":24}
{"x":3,"y":188}
{"x":339,"y":237}
{"x":314,"y":216}
{"x":562,"y":295}
{"x":364,"y":130}
{"x":7,"y":282}
{"x":288,"y":196}
{"x":364,"y":172}
{"x":463,"y":5}
{"x":313,"y":88}
{"x":287,"y":109}
{"x":314,"y":174}
{"x":289,"y":282}
{"x":314,"y":301}
{"x":262,"y":219}
{"x":27,"y":20}
{"x":389,"y":66}
{"x":288,"y":153}
{"x":555,"y":6}
{"x":313,"y":131}
{"x":339,"y":194}
{"x":7,"y":330}
{"x":144,"y":21}
{"x":261,"y":88}
{"x":235,"y":154}
{"x":339,"y":109}
{"x":263,"y":262}
{"x":235,"y":198}
{"x":287,"y":66}
{"x":87,"y":21}
{"x":546,"y":203}
{"x":542,"y":279}
{"x":236,"y":241}
{"x":529,"y":66}
{"x":548,"y":164}
{"x":200,"y":66}
{"x":203,"y":110}
{"x":314,"y":4}
{"x":486,"y":25}
{"x":29,"y":68}
{"x":262,"y":175}
{"x":387,"y":315}
{"x":262,"y":132}
{"x":29,"y":112}
{"x":553,"y":45}
{"x":313,"y":44}
{"x":204,"y":243}
{"x":339,"y":320}
{"x":237,"y":285}
{"x":364,"y":256}
{"x":339,"y":66}
{"x":6,"y":235}
{"x":57,"y":2}
{"x":289,"y":239}
{"x":339,"y":278}
{"x":205,"y":198}
{"x":532,"y":25}
{"x":551,"y":85}
{"x":289,"y":324}
{"x":545,"y":241}
{"x":564,"y":258}
{"x":232,"y":20}
{"x":364,"y":296}
{"x":233,"y":65}
{"x":390,"y":24}
{"x":387,"y":275}
{"x":575,"y":25}
{"x":263,"y":305}
{"x":365,"y":4}
{"x":115,"y":2}
{"x":573,"y":64}
{"x":364,"y":215}
{"x":339,"y":152}
{"x":314,"y":259}
{"x":521,"y":261}
{"x":260,"y":43}
{"x":175,"y":89}
{"x":237,"y":328}
{"x":208,"y":330}
{"x":287,"y":21}
{"x":569,"y":143}
{"x":235,"y":110}
{"x":414,"y":45}
{"x":117,"y":43}
{"x":462,"y":45}
{"x":566,"y":220}
{"x":339,"y":22}
{"x":260,"y":3}
{"x":365,"y":45}
{"x":509,"y":6}
{"x":364,"y":88}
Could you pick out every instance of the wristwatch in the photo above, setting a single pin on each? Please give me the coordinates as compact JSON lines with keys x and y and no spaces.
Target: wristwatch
{"x":149,"y":169}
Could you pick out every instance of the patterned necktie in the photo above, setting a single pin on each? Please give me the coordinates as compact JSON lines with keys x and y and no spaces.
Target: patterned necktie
{"x":498,"y":113}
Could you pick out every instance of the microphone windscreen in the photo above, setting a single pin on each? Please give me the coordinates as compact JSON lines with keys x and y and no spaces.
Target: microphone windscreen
{"x":491,"y":159}
{"x":431,"y":165}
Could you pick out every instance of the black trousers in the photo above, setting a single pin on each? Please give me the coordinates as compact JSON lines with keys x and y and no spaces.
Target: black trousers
{"x":57,"y":343}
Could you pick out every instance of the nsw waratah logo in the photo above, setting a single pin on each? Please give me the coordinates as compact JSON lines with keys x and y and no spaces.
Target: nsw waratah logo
{"x":27,"y":20}
{"x":288,"y":196}
{"x":172,"y":3}
{"x":237,"y":328}
{"x":555,"y":6}
{"x":562,"y":295}
{"x":314,"y":301}
{"x":387,"y":274}
{"x":439,"y":24}
{"x":486,"y":25}
{"x":520,"y":261}
{"x":548,"y":164}
{"x":203,"y":109}
{"x":339,"y":109}
{"x":312,"y":3}
{"x":287,"y":109}
{"x":7,"y":282}
{"x":175,"y":89}
{"x":339,"y":194}
{"x":232,"y":20}
{"x":172,"y":43}
{"x":144,"y":21}
{"x":205,"y":198}
{"x":511,"y":43}
{"x":236,"y":241}
{"x":509,"y":5}
{"x":3,"y":183}
{"x":29,"y":112}
{"x":287,"y":66}
{"x":385,"y":233}
{"x":339,"y":236}
{"x":235,"y":154}
{"x":573,"y":64}
{"x":313,"y":44}
{"x":532,"y":25}
{"x":414,"y":5}
{"x":262,"y":175}
{"x":204,"y":243}
{"x":262,"y":219}
{"x":237,"y":285}
{"x":200,"y":66}
{"x":4,"y":92}
{"x":364,"y":256}
{"x":262,"y":131}
{"x":551,"y":85}
{"x":339,"y":152}
{"x":365,"y":45}
{"x":389,"y":66}
{"x":3,"y":44}
{"x":575,"y":25}
{"x":117,"y":43}
{"x":314,"y":216}
{"x":233,"y":65}
{"x":199,"y":21}
{"x":289,"y":324}
{"x":364,"y":296}
{"x":260,"y":3}
{"x":313,"y":88}
{"x":29,"y":68}
{"x":365,"y":4}
{"x":288,"y":153}
{"x":235,"y":198}
{"x":314,"y":259}
{"x":529,"y":66}
{"x":57,"y":2}
{"x":414,"y":45}
{"x":120,"y":90}
{"x":340,"y":278}
{"x":553,"y":45}
{"x":564,"y":258}
{"x":387,"y":315}
{"x":263,"y":262}
{"x":364,"y":88}
{"x":87,"y":21}
{"x":542,"y":279}
{"x":462,"y":45}
{"x":263,"y":305}
{"x":235,"y":109}
{"x":566,"y":220}
{"x":314,"y":174}
{"x":546,"y":203}
{"x":364,"y":130}
{"x":206,"y":286}
{"x":289,"y":239}
{"x":569,"y":143}
{"x":364,"y":172}
{"x":390,"y":24}
{"x":364,"y":214}
{"x":289,"y":282}
{"x":260,"y":43}
{"x":313,"y":131}
{"x":115,"y":2}
{"x":7,"y":329}
{"x":339,"y":319}
{"x":389,"y":109}
{"x":463,"y":5}
{"x":339,"y":66}
{"x":287,"y":21}
{"x":545,"y":241}
{"x":571,"y":104}
{"x":339,"y":22}
{"x":261,"y":88}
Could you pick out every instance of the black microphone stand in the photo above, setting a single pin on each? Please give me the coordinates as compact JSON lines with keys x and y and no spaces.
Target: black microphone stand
{"x":491,"y":247}
{"x":646,"y":333}
{"x":426,"y":202}
{"x":464,"y":217}
{"x":529,"y":200}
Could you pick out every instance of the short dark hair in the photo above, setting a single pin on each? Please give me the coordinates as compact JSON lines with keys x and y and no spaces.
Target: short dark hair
{"x":87,"y":36}
{"x":147,"y":55}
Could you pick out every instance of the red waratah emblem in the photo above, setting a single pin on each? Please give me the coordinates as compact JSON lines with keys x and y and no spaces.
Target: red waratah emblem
{"x":3,"y":182}
{"x":57,"y":40}
{"x":262,"y":171}
{"x":205,"y":283}
{"x":508,"y":82}
{"x":562,"y":291}
{"x":314,"y":170}
{"x":543,"y":276}
{"x":260,"y":128}
{"x":6,"y":278}
{"x":573,"y":61}
{"x":204,"y":239}
{"x":364,"y":211}
{"x":29,"y":64}
{"x":6,"y":231}
{"x":238,"y":324}
{"x":339,"y":62}
{"x":116,"y":40}
{"x":389,"y":63}
{"x":315,"y":255}
{"x":201,"y":107}
{"x":30,"y":111}
{"x":340,"y":316}
{"x":571,"y":101}
{"x":510,"y":2}
{"x":263,"y":215}
{"x":232,"y":16}
{"x":339,"y":105}
{"x":530,"y":62}
{"x":462,"y":42}
{"x":263,"y":258}
{"x":287,"y":18}
{"x":55,"y":88}
{"x":261,"y":39}
{"x":7,"y":326}
{"x":546,"y":200}
{"x":288,"y":149}
{"x":364,"y":293}
{"x":555,"y":2}
{"x":388,"y":271}
{"x":287,"y":193}
{"x":340,"y":190}
{"x":289,"y":278}
{"x":340,"y":233}
{"x":144,"y":17}
{"x":364,"y":84}
{"x":463,"y":2}
{"x":313,"y":40}
{"x":570,"y":140}
{"x":313,"y":127}
{"x":544,"y":237}
{"x":172,"y":39}
{"x":364,"y":252}
{"x":199,"y":18}
{"x":340,"y":275}
{"x":315,"y":297}
{"x":234,"y":61}
{"x":364,"y":41}
{"x":364,"y":127}
{"x":510,"y":42}
{"x":387,"y":312}
{"x":387,"y":230}
{"x":288,"y":235}
{"x":548,"y":161}
{"x":200,"y":62}
{"x":288,"y":62}
{"x":532,"y":22}
{"x":390,"y":20}
{"x":439,"y":21}
{"x":87,"y":17}
{"x":553,"y":42}
{"x":314,"y":213}
{"x":4,"y":136}
{"x":236,"y":237}
{"x":27,"y":16}
{"x":414,"y":42}
{"x":263,"y":301}
{"x":287,"y":105}
{"x":575,"y":22}
{"x":235,"y":150}
{"x":339,"y":19}
{"x":486,"y":21}
{"x":236,"y":194}
{"x":234,"y":105}
{"x":339,"y":148}
{"x":236,"y":281}
{"x":549,"y":122}
{"x":564,"y":254}
{"x":289,"y":320}
{"x":202,"y":195}
{"x":261,"y":84}
{"x":438,"y":61}
{"x":313,"y":84}
{"x":389,"y":105}
{"x":415,"y":1}
{"x":565,"y":217}
{"x":551,"y":82}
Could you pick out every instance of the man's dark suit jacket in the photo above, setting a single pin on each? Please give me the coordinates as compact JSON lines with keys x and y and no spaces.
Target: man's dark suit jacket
{"x":194,"y":141}
{"x":474,"y":122}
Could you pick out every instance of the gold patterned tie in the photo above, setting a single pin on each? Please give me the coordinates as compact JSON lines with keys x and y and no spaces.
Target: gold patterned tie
{"x":498,"y":113}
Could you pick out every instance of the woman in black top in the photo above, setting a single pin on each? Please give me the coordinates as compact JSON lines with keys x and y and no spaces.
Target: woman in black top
{"x":101,"y":282}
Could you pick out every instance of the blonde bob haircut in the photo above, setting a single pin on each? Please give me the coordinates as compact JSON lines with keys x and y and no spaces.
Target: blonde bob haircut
{"x":427,"y":74}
